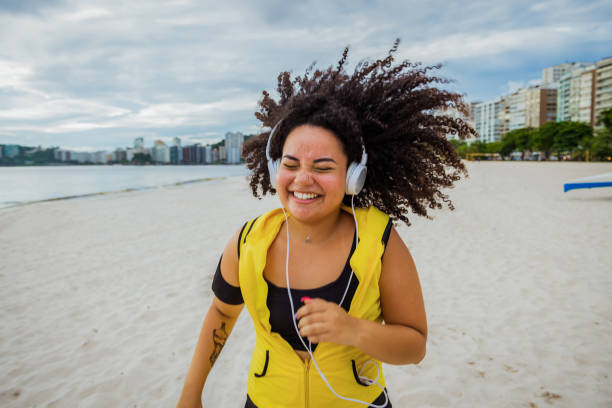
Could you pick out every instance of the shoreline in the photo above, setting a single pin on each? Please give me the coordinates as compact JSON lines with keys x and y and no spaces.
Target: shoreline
{"x":106,"y":193}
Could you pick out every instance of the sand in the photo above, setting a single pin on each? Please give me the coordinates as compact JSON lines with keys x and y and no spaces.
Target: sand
{"x":102,"y":299}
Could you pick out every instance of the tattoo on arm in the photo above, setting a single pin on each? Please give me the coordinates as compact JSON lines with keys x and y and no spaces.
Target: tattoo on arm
{"x":219,"y":338}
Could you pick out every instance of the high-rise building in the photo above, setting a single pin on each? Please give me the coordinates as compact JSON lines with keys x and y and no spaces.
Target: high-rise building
{"x":488,"y":119}
{"x":62,"y":155}
{"x":517,"y":102}
{"x":208,"y":155}
{"x":563,"y":97}
{"x":233,"y":146}
{"x":603,"y":87}
{"x":139,"y":145}
{"x":99,"y":157}
{"x":541,"y":105}
{"x":11,"y":150}
{"x":176,"y":152}
{"x":575,"y":95}
{"x":586,"y":100}
{"x":194,"y":154}
{"x":223,"y":153}
{"x":503,"y":116}
{"x":160,"y":152}
{"x":552,"y":75}
{"x":186,"y":154}
{"x":129,"y":154}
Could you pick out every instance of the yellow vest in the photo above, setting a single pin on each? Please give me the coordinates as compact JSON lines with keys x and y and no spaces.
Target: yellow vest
{"x":278,"y":378}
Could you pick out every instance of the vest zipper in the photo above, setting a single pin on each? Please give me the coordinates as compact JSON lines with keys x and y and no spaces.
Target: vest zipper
{"x":306,"y":391}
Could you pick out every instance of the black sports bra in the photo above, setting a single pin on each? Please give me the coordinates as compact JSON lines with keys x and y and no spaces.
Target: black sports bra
{"x":280,"y":309}
{"x":278,"y":300}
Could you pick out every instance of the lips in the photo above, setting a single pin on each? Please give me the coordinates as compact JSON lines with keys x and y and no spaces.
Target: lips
{"x":305,"y":196}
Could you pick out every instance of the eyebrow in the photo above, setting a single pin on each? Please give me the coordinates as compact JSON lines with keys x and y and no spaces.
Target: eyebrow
{"x":322,"y":159}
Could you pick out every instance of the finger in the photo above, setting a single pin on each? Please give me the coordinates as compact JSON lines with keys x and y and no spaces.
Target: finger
{"x":316,"y":329}
{"x":311,"y":306}
{"x":316,"y":317}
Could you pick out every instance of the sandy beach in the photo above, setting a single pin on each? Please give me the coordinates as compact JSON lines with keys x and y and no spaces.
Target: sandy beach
{"x":102,"y":299}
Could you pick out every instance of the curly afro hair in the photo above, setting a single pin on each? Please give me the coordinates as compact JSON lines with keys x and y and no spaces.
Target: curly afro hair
{"x":394,"y":110}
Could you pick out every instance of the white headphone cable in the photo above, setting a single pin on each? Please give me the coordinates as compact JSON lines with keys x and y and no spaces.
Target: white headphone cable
{"x":366,"y":380}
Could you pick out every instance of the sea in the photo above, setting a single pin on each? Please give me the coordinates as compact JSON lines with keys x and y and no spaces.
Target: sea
{"x":28,"y":184}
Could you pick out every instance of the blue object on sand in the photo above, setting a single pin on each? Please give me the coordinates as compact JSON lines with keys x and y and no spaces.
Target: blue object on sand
{"x":600,"y":180}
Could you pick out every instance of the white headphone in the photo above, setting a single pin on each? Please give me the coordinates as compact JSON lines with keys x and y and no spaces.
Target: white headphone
{"x":355,"y":175}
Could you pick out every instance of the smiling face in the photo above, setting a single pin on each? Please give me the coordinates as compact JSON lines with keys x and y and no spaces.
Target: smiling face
{"x":312,"y":175}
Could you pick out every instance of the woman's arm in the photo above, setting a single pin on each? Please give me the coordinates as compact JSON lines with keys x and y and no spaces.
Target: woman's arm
{"x":401,"y":340}
{"x":217,"y":327}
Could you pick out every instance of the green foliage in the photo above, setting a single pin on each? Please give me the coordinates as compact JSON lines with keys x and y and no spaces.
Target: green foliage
{"x":478,"y":147}
{"x":30,"y":156}
{"x":508,"y":144}
{"x":571,"y":136}
{"x":544,"y":138}
{"x":142,"y":158}
{"x":606,"y":119}
{"x":601,"y":145}
{"x":494,"y":147}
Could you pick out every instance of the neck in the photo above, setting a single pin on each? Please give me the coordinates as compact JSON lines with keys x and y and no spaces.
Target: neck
{"x":316,"y":232}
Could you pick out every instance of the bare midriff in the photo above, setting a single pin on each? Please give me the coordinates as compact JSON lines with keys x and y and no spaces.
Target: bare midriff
{"x":303,"y":355}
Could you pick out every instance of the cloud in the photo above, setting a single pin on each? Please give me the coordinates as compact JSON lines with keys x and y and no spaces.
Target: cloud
{"x":174,"y":114}
{"x":86,"y":14}
{"x":494,"y":42}
{"x":58,"y":108}
{"x":28,"y":6}
{"x":14,"y":74}
{"x":102,"y":72}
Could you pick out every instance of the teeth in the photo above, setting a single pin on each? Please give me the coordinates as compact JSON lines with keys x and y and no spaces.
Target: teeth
{"x":304,"y":196}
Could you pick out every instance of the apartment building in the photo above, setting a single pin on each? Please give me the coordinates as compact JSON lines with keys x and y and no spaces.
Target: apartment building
{"x":233,"y":146}
{"x":603,"y":87}
{"x":487,"y":117}
{"x":576,"y":95}
{"x":541,"y":106}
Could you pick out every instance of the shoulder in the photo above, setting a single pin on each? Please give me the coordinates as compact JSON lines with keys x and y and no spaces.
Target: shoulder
{"x":231,"y":253}
{"x":370,"y":216}
{"x":254,"y":229}
{"x":374,"y":223}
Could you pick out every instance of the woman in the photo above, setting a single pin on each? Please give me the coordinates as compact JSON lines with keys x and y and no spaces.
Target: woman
{"x":339,"y":275}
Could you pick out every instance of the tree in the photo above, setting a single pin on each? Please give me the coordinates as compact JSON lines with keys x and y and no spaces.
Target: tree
{"x":544,"y":138}
{"x":572,"y":136}
{"x":494,"y":147}
{"x":606,"y":119}
{"x":517,"y":139}
{"x":508,"y":144}
{"x":523,"y":140}
{"x":142,"y":158}
{"x":601,"y":144}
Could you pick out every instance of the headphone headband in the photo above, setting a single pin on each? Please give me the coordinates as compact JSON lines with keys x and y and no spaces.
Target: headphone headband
{"x":270,"y":138}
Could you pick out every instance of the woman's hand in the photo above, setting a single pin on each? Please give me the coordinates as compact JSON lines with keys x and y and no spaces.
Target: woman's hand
{"x":320,"y":320}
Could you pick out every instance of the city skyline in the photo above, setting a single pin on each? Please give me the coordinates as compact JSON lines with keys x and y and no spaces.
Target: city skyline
{"x":98,"y":76}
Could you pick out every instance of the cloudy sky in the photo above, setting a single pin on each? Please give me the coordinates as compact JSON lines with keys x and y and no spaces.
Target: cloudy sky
{"x":96,"y":74}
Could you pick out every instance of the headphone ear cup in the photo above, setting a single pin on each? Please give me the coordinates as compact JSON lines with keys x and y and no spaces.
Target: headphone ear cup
{"x":355,"y":178}
{"x":273,"y":166}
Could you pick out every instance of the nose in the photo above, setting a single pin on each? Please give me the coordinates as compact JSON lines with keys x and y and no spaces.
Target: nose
{"x":303,"y":177}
